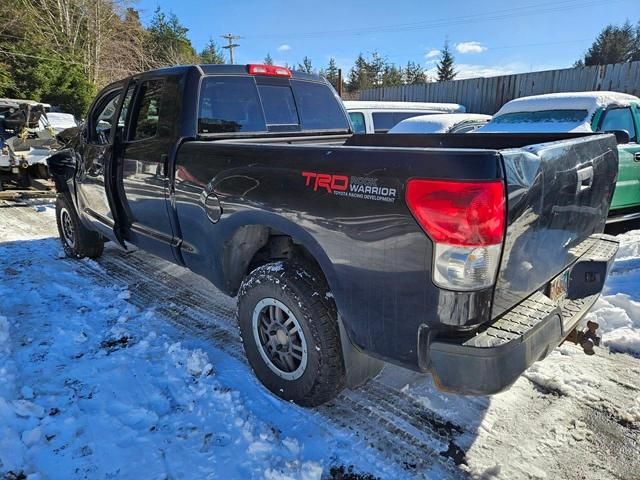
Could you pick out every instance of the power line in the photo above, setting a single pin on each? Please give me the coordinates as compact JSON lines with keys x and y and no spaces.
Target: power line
{"x":230,"y":38}
{"x":537,"y":9}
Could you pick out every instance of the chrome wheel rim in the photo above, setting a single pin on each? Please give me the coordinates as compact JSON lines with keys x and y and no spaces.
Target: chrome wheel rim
{"x":66,"y":225}
{"x":280,"y":339}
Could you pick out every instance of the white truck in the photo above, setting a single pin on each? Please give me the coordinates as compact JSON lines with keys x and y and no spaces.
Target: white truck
{"x":28,"y":138}
{"x":380,"y":117}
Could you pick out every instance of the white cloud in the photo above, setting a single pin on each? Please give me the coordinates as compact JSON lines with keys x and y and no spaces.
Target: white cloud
{"x":432,"y":53}
{"x":284,"y":48}
{"x":470,"y":47}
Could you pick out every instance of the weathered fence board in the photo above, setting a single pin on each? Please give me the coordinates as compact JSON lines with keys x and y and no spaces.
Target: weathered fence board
{"x":487,"y":95}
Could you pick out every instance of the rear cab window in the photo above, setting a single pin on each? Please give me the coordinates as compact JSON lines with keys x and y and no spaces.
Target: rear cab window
{"x":255,"y":104}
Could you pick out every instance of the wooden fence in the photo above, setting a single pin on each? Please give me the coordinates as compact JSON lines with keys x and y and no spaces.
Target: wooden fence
{"x":487,"y":95}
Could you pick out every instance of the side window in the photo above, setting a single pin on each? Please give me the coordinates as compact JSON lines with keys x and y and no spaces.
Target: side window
{"x":385,"y":121}
{"x":357,"y":120}
{"x":103,"y":117}
{"x":619,"y":119}
{"x":147,"y":115}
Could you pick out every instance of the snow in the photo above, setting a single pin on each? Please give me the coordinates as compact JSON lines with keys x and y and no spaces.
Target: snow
{"x":590,"y":102}
{"x":438,"y":123}
{"x":97,"y":383}
{"x":618,"y":314}
{"x":535,"y":127}
{"x":93,"y":387}
{"x":359,"y":105}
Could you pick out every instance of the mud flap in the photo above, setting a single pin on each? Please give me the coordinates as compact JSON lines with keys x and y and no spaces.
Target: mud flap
{"x":359,"y":366}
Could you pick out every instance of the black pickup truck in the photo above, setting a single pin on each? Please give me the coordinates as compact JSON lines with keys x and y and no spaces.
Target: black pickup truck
{"x":466,"y":256}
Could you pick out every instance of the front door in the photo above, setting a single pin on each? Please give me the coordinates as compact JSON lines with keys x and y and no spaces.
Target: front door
{"x":96,"y":151}
{"x":627,"y":192}
{"x":144,"y":162}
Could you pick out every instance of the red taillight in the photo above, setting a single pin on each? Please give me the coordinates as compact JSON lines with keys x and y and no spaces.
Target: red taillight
{"x":269,"y":70}
{"x":459,"y":212}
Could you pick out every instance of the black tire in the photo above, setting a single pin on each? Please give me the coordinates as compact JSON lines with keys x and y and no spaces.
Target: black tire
{"x":40,"y":171}
{"x":77,"y":240}
{"x":304,"y":292}
{"x":24,"y":179}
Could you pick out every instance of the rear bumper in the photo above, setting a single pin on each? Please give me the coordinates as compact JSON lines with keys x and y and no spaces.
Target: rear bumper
{"x":494,"y":358}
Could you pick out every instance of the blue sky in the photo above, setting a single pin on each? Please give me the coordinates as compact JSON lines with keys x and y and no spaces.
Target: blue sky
{"x":488,"y":37}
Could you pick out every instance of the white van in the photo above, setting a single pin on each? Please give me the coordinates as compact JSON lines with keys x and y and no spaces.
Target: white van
{"x":380,"y":117}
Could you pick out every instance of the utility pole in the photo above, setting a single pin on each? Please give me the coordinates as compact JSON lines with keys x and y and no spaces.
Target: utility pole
{"x":230,"y":38}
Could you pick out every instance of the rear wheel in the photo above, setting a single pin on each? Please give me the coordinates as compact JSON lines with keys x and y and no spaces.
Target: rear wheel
{"x":290,"y":333}
{"x":77,"y":240}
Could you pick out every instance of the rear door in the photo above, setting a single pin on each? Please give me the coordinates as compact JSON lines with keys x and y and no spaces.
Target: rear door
{"x":143,"y":162}
{"x":627,"y":193}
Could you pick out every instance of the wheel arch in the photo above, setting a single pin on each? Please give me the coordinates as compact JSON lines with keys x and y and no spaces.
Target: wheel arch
{"x":256,"y":241}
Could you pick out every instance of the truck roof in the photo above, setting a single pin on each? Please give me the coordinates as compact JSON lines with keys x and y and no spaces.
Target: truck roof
{"x":589,"y":101}
{"x":235,"y":69}
{"x":426,"y":106}
{"x":436,"y":123}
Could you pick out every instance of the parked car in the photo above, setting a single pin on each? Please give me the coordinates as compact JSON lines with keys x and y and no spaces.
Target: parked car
{"x":584,"y":112}
{"x":380,"y":117}
{"x":344,"y":250}
{"x":26,"y":144}
{"x":58,"y":121}
{"x":442,"y":123}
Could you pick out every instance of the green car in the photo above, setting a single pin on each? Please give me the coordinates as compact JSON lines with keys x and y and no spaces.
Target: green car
{"x":584,"y":112}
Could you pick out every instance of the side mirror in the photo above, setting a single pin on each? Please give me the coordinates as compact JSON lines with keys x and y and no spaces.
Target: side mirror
{"x":622,"y":136}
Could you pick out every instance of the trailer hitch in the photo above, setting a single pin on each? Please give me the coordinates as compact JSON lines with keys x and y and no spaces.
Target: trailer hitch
{"x":587,"y":339}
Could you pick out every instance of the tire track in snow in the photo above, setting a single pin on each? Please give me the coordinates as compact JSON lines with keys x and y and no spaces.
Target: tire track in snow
{"x":386,"y":419}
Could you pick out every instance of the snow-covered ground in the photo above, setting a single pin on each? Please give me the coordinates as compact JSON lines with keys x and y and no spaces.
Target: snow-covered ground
{"x":130,"y":367}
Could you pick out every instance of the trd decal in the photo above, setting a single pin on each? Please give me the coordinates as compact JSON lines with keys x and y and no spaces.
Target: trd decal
{"x":354,"y":187}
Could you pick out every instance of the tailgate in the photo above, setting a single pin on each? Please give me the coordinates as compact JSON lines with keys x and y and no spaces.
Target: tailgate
{"x":558,"y":195}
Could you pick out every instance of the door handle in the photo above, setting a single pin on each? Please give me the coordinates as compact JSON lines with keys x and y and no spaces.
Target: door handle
{"x":585,"y":178}
{"x":164,"y":158}
{"x":636,"y":157}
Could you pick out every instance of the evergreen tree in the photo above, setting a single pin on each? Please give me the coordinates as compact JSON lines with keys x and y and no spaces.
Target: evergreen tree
{"x":376,"y":67}
{"x":168,"y":42}
{"x":331,"y":73}
{"x":359,"y":75}
{"x":445,"y":66}
{"x":305,"y":66}
{"x":268,"y":60}
{"x":414,"y":73}
{"x":212,"y":54}
{"x":391,"y":75}
{"x":614,"y":44}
